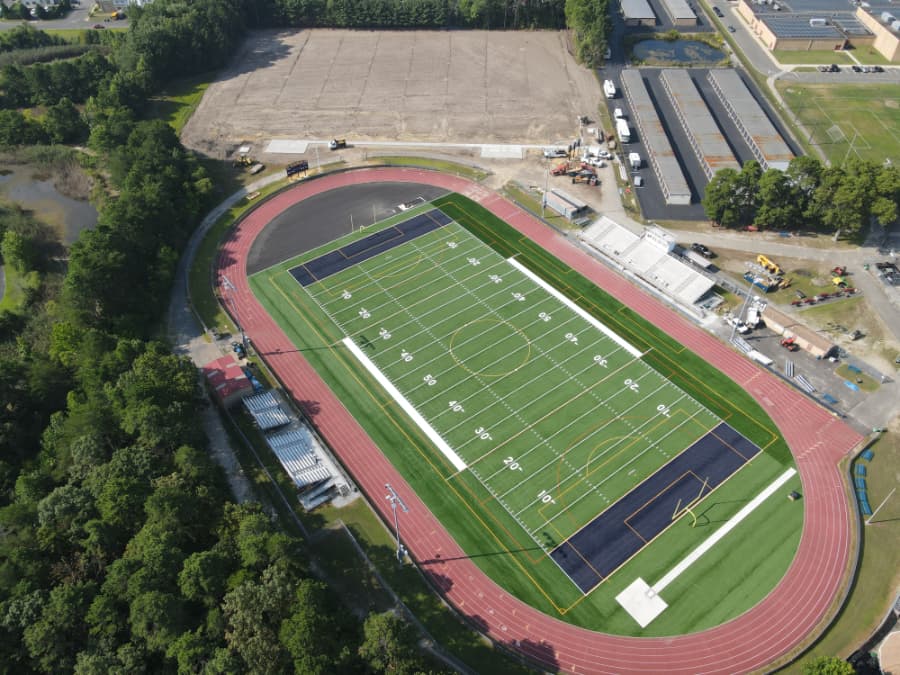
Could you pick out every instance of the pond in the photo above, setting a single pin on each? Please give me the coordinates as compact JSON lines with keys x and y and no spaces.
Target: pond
{"x":661,"y":52}
{"x":23,"y":185}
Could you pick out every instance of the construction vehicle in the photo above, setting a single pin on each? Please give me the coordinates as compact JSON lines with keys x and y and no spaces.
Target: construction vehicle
{"x":337,"y":143}
{"x":840,"y":282}
{"x":587,"y":179}
{"x":769,"y":265}
{"x":790,"y":343}
{"x":560,"y":169}
{"x":118,"y":15}
{"x":839,"y":271}
{"x":245,"y":161}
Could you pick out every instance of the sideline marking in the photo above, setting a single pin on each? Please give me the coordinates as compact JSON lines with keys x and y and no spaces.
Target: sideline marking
{"x":608,"y":332}
{"x":643,"y":603}
{"x":407,"y":407}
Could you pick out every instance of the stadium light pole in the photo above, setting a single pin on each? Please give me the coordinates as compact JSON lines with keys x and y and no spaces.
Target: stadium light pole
{"x":395,"y":499}
{"x":226,"y":282}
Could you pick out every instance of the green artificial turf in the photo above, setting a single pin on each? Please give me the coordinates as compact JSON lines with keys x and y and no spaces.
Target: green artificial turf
{"x":730,"y":578}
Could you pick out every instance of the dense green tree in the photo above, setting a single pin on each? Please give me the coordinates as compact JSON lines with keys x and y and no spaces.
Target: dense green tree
{"x":254,"y":612}
{"x":389,"y":645}
{"x":63,"y":123}
{"x":56,"y":637}
{"x":157,"y":618}
{"x":780,"y":205}
{"x":827,"y":665}
{"x":319,"y":632}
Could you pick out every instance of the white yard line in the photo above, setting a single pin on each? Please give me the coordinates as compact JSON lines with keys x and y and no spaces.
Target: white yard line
{"x":407,"y":407}
{"x":611,"y":334}
{"x":714,"y":539}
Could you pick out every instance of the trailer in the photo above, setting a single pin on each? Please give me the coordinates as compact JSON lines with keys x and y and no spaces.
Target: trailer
{"x":634,"y":159}
{"x":623,"y":130}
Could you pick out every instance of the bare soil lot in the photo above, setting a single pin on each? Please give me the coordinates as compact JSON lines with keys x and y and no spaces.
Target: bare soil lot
{"x":435,"y":86}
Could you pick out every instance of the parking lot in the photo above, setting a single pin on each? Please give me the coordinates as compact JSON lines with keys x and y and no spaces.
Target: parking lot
{"x":437,"y":86}
{"x":652,"y":201}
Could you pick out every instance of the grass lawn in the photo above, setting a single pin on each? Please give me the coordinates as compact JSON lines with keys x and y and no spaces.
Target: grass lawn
{"x":870,"y":56}
{"x":815,"y":57}
{"x":464,"y":170}
{"x":532,"y":202}
{"x":16,"y":286}
{"x":733,"y":576}
{"x":845,"y":119}
{"x":203,"y":297}
{"x":863,"y":381}
{"x":177,"y":102}
{"x":876,"y":581}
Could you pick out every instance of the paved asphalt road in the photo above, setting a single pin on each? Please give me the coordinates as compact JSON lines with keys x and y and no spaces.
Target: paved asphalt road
{"x":79,"y":17}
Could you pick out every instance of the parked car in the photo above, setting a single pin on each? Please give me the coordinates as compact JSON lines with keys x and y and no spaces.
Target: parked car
{"x":550,"y":153}
{"x":731,"y":29}
{"x":99,"y":26}
{"x":702,"y":250}
{"x":856,"y":69}
{"x":718,"y":12}
{"x":877,"y":69}
{"x":834,"y":68}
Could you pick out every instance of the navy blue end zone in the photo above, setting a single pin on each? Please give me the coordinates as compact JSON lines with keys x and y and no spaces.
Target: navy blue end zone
{"x":610,"y":539}
{"x":368,"y":247}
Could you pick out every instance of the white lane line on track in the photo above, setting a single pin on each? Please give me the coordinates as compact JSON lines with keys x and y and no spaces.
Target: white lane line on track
{"x":407,"y":407}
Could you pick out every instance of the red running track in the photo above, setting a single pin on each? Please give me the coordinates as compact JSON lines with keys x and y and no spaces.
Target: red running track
{"x":751,"y":641}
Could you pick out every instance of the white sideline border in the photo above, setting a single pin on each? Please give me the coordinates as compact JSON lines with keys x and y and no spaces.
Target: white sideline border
{"x":645,"y":609}
{"x":407,"y":407}
{"x":608,"y":332}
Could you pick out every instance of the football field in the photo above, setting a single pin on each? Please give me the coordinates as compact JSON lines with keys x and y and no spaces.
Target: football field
{"x":557,"y":416}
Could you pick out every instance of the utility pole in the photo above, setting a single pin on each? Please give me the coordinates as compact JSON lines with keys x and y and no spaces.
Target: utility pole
{"x":395,"y":499}
{"x":226,"y":282}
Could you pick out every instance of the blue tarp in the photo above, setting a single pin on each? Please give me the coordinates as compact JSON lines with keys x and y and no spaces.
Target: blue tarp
{"x":850,"y":385}
{"x":867,"y":455}
{"x":860,"y":470}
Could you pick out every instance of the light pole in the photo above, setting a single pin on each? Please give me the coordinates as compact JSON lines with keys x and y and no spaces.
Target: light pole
{"x":395,"y":499}
{"x":226,"y":282}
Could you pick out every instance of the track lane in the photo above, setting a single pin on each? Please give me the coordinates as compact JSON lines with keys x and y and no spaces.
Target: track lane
{"x":748,"y":642}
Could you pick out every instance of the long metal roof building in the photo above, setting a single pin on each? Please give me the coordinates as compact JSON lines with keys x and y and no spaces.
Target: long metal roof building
{"x":707,"y":141}
{"x":681,"y":12}
{"x":661,"y":157}
{"x":751,"y":120}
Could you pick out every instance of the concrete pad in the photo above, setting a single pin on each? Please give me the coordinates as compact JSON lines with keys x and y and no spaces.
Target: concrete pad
{"x":502,"y":151}
{"x":641,"y":602}
{"x":286,"y":147}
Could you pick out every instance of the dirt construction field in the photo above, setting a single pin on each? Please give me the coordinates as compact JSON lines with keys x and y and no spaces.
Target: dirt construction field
{"x":435,"y":86}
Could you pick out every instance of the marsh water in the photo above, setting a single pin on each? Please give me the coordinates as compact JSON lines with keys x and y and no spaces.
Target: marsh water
{"x":25,"y":186}
{"x":676,"y":51}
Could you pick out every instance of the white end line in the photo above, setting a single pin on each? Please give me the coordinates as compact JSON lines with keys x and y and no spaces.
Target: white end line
{"x":608,"y":332}
{"x":420,"y":421}
{"x":733,"y":522}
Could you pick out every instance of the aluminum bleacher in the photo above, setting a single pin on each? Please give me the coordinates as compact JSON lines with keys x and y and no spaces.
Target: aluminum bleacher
{"x":650,"y":257}
{"x":266,"y":411}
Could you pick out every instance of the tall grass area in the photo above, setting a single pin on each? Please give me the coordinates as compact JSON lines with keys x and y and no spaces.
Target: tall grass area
{"x":730,"y":579}
{"x":178,"y":101}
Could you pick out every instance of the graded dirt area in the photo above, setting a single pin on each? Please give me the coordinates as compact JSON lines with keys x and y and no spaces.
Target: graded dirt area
{"x":435,"y":86}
